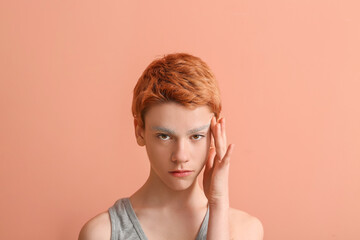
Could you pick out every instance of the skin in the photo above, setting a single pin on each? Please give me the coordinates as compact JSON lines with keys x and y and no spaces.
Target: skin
{"x":175,"y":138}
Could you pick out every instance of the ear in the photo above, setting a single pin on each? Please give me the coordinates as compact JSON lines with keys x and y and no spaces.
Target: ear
{"x":139,"y":134}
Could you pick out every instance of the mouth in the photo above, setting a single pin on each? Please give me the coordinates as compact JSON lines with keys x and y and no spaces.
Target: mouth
{"x":181,"y":173}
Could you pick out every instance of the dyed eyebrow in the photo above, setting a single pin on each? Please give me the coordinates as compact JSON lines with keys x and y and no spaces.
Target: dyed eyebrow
{"x":195,"y":130}
{"x":166,"y":130}
{"x":162,"y":129}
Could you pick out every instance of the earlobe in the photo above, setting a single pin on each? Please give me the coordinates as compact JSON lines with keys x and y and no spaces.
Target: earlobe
{"x":140,"y":142}
{"x":139,"y":134}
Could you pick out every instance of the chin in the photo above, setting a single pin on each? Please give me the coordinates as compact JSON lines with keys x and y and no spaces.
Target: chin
{"x":180,"y":185}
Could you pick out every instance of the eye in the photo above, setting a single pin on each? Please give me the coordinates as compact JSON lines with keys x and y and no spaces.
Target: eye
{"x":197,"y":136}
{"x":163,"y":136}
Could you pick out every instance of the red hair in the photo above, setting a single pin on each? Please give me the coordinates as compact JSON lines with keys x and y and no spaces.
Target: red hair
{"x":180,"y":78}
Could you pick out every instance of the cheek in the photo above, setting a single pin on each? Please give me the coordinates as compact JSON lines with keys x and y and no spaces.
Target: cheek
{"x":157,"y":152}
{"x":201,"y":150}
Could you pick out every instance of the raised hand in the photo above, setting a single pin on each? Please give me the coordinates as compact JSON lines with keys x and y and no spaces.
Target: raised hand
{"x":216,"y":175}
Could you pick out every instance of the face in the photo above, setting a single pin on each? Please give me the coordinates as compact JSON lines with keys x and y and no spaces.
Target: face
{"x":176,"y":138}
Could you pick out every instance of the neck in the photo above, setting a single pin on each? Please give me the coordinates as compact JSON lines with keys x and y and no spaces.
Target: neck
{"x":155,"y":194}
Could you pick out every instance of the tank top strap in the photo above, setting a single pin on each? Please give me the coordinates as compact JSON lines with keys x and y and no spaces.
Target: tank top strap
{"x":204,"y":226}
{"x":134,"y":219}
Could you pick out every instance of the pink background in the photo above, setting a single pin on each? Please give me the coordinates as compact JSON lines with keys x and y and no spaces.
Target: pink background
{"x":289,"y":73}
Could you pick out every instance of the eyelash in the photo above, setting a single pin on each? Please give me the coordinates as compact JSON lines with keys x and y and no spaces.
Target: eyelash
{"x":161,"y":135}
{"x":199,"y":135}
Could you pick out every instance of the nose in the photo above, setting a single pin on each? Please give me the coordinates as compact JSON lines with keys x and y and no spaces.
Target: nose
{"x":180,"y":153}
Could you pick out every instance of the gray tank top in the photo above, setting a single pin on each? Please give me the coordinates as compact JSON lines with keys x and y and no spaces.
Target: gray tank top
{"x":125,"y":224}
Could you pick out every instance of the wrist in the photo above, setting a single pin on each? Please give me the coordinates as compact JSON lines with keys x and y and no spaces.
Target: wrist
{"x":219,"y":205}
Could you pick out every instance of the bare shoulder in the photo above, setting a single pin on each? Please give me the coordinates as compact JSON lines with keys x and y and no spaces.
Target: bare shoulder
{"x":245,"y":226}
{"x":97,"y":228}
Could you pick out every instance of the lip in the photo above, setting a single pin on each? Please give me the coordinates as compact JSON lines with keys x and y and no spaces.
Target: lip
{"x":181,"y":173}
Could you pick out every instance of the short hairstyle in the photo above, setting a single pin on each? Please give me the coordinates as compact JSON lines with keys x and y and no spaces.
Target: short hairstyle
{"x":177,"y":77}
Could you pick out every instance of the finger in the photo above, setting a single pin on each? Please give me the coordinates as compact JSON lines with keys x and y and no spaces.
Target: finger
{"x":212,"y":129}
{"x":223,"y":130}
{"x":212,"y":142}
{"x":226,"y":159}
{"x":210,"y":159}
{"x":219,"y":141}
{"x":213,"y":134}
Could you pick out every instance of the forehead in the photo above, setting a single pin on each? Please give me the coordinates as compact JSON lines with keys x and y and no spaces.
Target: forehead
{"x":175,"y":116}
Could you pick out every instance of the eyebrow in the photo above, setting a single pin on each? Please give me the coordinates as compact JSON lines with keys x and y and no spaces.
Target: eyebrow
{"x":167,"y":130}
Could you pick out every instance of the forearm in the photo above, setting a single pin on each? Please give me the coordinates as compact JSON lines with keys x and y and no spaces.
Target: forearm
{"x":218,"y":226}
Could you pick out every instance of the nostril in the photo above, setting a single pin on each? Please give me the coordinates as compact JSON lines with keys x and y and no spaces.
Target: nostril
{"x":179,"y":157}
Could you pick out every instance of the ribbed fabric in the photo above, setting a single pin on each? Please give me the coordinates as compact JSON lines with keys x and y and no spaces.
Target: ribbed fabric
{"x":126,"y":226}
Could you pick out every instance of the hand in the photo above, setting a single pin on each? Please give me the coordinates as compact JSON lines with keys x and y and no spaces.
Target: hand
{"x":216,"y":175}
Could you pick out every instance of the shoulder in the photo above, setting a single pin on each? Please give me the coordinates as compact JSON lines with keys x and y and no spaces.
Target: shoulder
{"x":245,"y":226}
{"x":97,"y":228}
